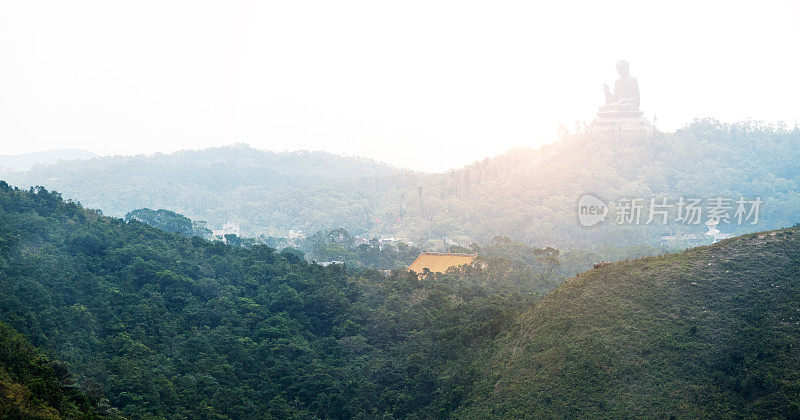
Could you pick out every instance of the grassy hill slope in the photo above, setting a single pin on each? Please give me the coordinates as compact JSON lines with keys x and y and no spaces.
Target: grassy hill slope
{"x":713,"y":331}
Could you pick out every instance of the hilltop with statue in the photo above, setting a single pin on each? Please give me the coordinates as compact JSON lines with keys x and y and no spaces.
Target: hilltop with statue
{"x":620,"y":116}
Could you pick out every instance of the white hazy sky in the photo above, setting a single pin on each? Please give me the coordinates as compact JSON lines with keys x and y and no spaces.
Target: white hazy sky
{"x":423,"y":84}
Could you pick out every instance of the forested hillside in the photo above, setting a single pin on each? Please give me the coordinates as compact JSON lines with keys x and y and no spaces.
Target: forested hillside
{"x":528,"y":195}
{"x":266,"y":192}
{"x":32,"y":386}
{"x":710,"y":332}
{"x":532,"y":195}
{"x":168,"y":221}
{"x":166,"y":325}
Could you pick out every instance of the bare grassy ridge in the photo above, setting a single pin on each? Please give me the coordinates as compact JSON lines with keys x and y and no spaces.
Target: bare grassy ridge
{"x":713,"y":331}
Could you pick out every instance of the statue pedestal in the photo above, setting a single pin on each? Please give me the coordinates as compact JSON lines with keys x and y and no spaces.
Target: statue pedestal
{"x":620,"y":124}
{"x":619,"y":114}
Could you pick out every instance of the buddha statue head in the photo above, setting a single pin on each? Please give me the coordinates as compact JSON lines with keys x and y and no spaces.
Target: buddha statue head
{"x":623,"y":68}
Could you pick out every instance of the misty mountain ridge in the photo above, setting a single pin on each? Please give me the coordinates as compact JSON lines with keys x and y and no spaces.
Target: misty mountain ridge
{"x":25,"y":161}
{"x":528,"y":194}
{"x":261,"y":190}
{"x":299,"y":162}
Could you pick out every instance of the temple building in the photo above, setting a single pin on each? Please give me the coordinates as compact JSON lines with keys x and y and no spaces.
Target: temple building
{"x":439,"y":262}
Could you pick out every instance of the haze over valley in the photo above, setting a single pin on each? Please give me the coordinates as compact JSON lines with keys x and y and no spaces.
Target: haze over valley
{"x":362,"y":210}
{"x":273,"y":194}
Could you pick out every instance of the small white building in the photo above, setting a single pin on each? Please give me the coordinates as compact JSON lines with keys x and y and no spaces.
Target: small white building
{"x":229,"y":228}
{"x":295,"y":234}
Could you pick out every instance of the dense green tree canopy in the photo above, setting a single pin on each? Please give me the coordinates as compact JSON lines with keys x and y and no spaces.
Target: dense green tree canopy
{"x":168,"y":221}
{"x":175,"y":326}
{"x":32,"y":386}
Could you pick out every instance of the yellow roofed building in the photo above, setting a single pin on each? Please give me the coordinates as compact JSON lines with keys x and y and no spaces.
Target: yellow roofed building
{"x":439,"y":262}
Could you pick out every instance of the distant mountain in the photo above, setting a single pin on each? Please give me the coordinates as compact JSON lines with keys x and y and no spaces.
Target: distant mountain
{"x":532,"y":195}
{"x":265,"y":192}
{"x":26,"y":161}
{"x":710,"y":332}
{"x":528,"y":195}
